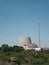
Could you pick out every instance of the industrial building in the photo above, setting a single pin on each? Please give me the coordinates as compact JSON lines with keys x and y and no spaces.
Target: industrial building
{"x":26,"y":43}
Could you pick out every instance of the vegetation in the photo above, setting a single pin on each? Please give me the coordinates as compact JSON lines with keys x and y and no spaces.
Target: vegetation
{"x":18,"y":56}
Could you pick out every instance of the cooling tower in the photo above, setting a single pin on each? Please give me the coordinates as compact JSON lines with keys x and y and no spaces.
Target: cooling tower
{"x":26,"y":43}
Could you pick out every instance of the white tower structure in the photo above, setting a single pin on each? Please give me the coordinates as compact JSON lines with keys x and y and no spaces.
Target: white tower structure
{"x":39,"y":35}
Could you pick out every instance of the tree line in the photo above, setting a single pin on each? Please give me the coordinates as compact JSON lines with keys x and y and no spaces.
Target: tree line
{"x":15,"y":55}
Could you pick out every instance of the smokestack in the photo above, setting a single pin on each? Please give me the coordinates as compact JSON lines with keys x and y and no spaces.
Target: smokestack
{"x":39,"y":35}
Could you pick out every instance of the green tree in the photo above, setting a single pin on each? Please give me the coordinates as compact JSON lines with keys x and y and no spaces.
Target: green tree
{"x":4,"y":48}
{"x":17,"y":49}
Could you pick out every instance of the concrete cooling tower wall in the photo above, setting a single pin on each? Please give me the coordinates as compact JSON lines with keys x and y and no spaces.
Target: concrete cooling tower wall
{"x":25,"y":42}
